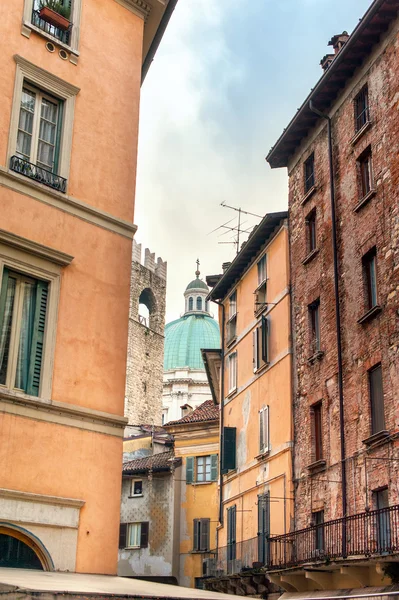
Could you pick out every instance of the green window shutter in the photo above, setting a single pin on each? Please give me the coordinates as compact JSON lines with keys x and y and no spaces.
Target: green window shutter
{"x":39,"y":323}
{"x":122,"y":535}
{"x":58,"y":137}
{"x":190,"y":469}
{"x":229,"y":448}
{"x":214,"y":467}
{"x":144,"y":534}
{"x":204,"y":541}
{"x":196,"y":534}
{"x":265,"y":339}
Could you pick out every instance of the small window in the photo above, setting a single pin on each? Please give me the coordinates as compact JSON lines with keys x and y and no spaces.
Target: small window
{"x":164,"y":416}
{"x":362,"y":108}
{"x":370,"y":278}
{"x":311,"y":231}
{"x":23,"y":308}
{"x":199,"y":303}
{"x":201,"y":535}
{"x":376,"y":399}
{"x":232,"y":369}
{"x":232,"y":322}
{"x":365,"y":173}
{"x":314,"y":318}
{"x":264,"y":430}
{"x":317,"y":425}
{"x":201,"y":469}
{"x":261,"y":344}
{"x":260,"y":293}
{"x":309,"y":173}
{"x":137,"y":488}
{"x":318,"y":520}
{"x":383,"y":519}
{"x":191,"y":303}
{"x":262,"y":270}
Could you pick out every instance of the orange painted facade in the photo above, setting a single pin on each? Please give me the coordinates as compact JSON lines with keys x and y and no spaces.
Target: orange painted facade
{"x":66,"y":446}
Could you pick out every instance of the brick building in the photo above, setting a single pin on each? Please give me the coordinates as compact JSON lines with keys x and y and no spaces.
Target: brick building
{"x":341,"y":152}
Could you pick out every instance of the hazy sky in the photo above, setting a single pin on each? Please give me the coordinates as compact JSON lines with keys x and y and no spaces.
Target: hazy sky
{"x":227,"y":78}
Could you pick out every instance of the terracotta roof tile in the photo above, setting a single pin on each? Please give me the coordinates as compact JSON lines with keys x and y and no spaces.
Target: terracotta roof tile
{"x":207,"y":411}
{"x":155,"y":462}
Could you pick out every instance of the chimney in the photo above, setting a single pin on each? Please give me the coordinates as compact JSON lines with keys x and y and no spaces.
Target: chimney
{"x":225,"y":266}
{"x":338,"y":41}
{"x":326,"y":61}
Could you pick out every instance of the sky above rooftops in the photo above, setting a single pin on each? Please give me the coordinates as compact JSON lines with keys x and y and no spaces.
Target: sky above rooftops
{"x":228,"y":77}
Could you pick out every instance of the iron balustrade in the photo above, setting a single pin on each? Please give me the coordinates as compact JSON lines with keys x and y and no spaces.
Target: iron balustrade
{"x":23,"y":167}
{"x":370,"y":533}
{"x":62,"y":35}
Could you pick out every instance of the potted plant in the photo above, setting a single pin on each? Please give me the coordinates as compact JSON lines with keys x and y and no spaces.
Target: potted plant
{"x":56,"y":13}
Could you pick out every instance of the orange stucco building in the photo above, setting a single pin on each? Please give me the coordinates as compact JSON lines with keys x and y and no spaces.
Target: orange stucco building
{"x":68,"y":149}
{"x":251,"y":379}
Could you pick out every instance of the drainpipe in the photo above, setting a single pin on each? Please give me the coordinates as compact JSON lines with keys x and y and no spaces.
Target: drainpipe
{"x":221,"y":518}
{"x":337,"y":321}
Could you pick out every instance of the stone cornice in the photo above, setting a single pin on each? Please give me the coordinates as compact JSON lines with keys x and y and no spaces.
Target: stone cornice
{"x":138,"y":7}
{"x":40,"y":498}
{"x":55,"y":256}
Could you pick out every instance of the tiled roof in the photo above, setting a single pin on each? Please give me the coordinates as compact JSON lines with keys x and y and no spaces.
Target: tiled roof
{"x":156,"y":462}
{"x":207,"y":411}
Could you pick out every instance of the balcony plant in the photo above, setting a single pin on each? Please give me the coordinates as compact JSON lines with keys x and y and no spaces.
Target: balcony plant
{"x":56,"y":13}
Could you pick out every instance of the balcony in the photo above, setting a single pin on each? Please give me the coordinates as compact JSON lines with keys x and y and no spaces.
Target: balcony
{"x":62,"y":35}
{"x":23,"y":167}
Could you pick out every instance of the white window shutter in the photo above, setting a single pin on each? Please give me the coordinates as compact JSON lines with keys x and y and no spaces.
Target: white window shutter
{"x":261,"y":430}
{"x":266,"y":446}
{"x":255,"y":349}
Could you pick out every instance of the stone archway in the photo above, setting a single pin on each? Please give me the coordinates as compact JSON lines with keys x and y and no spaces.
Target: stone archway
{"x":19,"y":549}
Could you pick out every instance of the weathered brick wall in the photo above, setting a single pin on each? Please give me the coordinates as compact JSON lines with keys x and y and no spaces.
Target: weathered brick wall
{"x":144,"y":373}
{"x":375,"y":224}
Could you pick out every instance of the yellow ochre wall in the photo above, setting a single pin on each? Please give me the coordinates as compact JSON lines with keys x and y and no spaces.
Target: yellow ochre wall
{"x":271,"y":472}
{"x":38,"y":456}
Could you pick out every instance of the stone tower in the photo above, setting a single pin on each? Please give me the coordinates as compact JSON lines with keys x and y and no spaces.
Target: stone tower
{"x":144,"y":372}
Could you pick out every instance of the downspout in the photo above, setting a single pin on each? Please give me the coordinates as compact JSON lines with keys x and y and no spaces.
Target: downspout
{"x":222,"y":370}
{"x":337,"y":322}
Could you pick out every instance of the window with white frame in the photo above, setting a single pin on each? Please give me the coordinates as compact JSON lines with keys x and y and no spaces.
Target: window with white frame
{"x":134,"y":535}
{"x":136,"y":487}
{"x":264,"y":430}
{"x":232,"y":370}
{"x":204,"y":468}
{"x":232,"y":320}
{"x":260,"y":292}
{"x":261,"y":344}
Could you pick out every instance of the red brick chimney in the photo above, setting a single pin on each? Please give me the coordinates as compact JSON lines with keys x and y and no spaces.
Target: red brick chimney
{"x":326,"y":61}
{"x":338,"y":41}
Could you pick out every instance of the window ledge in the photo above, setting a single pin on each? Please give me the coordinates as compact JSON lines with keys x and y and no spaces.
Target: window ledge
{"x":231,"y":341}
{"x":360,"y":133}
{"x":365,"y":200}
{"x":263,"y":455}
{"x":370,"y":314}
{"x":232,"y":393}
{"x":132,"y":548}
{"x":310,"y":256}
{"x":136,"y":496}
{"x":202,"y":482}
{"x":261,"y":309}
{"x":199,"y":551}
{"x":318,"y":465}
{"x":27,"y":27}
{"x":376,"y":437}
{"x":309,"y":194}
{"x":317,"y":356}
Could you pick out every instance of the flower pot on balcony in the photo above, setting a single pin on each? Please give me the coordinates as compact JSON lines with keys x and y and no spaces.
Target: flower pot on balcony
{"x":54,"y":18}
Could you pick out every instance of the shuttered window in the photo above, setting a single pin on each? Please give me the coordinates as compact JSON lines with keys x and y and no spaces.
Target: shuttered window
{"x":229,"y":449}
{"x":264,"y":429}
{"x":201,"y":535}
{"x":376,"y":400}
{"x":232,"y":370}
{"x":202,"y":469}
{"x":231,"y":532}
{"x":133,"y":535}
{"x":261,"y":344}
{"x":23,"y":308}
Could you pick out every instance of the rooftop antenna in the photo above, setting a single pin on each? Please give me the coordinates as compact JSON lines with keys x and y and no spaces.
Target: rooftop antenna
{"x":238,"y":228}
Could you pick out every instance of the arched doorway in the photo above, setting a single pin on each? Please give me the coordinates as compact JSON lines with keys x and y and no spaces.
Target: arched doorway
{"x":21,"y":550}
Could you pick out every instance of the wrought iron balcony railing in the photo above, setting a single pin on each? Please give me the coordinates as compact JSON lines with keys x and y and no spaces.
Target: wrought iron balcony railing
{"x":61,"y":34}
{"x":371,"y":533}
{"x":23,"y":167}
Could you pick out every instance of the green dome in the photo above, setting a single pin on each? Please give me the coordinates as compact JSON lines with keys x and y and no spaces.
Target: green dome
{"x":197,"y":284}
{"x":184,"y":339}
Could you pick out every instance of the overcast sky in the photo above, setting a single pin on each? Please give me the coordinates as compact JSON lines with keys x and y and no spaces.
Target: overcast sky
{"x":227,"y":78}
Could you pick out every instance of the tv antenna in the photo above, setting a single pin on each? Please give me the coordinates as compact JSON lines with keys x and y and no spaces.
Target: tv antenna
{"x":238,"y":228}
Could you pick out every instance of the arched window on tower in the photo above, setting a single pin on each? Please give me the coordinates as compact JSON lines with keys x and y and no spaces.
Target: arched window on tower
{"x":199,"y":303}
{"x":190,"y":303}
{"x":147,"y":307}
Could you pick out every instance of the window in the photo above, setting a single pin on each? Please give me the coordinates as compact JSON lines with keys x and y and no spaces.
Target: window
{"x":164,"y":416}
{"x":23,"y":307}
{"x":311,"y":231}
{"x":136,"y":488}
{"x":191,"y":303}
{"x":260,"y":293}
{"x":317,"y":433}
{"x":229,"y":449}
{"x":199,"y":303}
{"x":232,"y":369}
{"x":231,"y":533}
{"x":383,"y":525}
{"x":365,"y":172}
{"x":361,"y":108}
{"x":201,"y":469}
{"x":264,"y":528}
{"x":57,"y":25}
{"x":232,"y":321}
{"x":309,"y":173}
{"x":370,"y":278}
{"x":264,"y":429}
{"x":376,"y":399}
{"x":314,"y":316}
{"x":261,"y":344}
{"x":318,"y":520}
{"x":201,"y":535}
{"x":133,"y":535}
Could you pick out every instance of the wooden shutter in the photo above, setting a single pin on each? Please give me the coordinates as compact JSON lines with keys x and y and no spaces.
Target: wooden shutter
{"x":266,"y":428}
{"x":229,"y":448}
{"x":3,"y":295}
{"x":144,"y":535}
{"x":214,"y":467}
{"x":255,"y":348}
{"x":189,"y":469}
{"x":261,"y":432}
{"x":204,"y":531}
{"x":122,"y":535}
{"x":265,"y":339}
{"x":196,"y":536}
{"x":36,"y":355}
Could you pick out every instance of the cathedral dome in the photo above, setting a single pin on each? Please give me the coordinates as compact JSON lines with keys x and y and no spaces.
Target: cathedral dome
{"x":197,"y":284}
{"x":184,"y":339}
